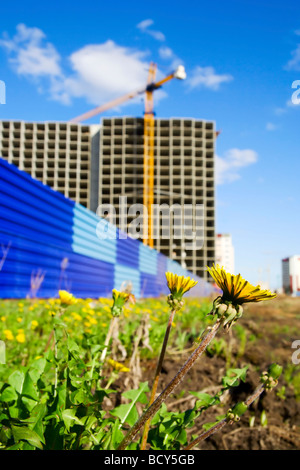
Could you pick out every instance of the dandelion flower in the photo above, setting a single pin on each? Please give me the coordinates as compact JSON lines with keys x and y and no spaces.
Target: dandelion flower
{"x":34,"y":324}
{"x":8,"y":335}
{"x":236,"y":289}
{"x":118,"y":366}
{"x":76,"y":316}
{"x":20,"y":337}
{"x":66,"y":298}
{"x":119,"y":300}
{"x":179,"y":285}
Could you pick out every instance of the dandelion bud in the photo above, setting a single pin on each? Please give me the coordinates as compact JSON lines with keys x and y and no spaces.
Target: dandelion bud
{"x":230,"y":311}
{"x":275,"y":371}
{"x":221,"y":309}
{"x":268,"y":380}
{"x":239,"y":310}
{"x":236,"y":412}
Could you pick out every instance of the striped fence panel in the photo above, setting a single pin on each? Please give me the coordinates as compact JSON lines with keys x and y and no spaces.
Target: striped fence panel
{"x":50,"y":243}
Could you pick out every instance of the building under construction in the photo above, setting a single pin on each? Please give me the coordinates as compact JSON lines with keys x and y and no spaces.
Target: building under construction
{"x":183,"y":175}
{"x":96,"y":164}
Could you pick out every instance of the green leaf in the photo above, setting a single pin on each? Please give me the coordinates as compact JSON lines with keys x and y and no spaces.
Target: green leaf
{"x":26,"y":434}
{"x":72,"y":345}
{"x":204,"y":399}
{"x":263,"y":418}
{"x":139,"y":394}
{"x":69,"y":417}
{"x":16,"y":380}
{"x":35,"y":422}
{"x":37,"y":368}
{"x":116,"y":435}
{"x":29,"y":389}
{"x":233,"y":377}
{"x":207,"y":426}
{"x":8,"y":394}
{"x":128,"y":413}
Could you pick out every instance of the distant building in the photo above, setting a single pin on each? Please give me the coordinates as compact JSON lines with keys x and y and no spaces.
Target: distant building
{"x":57,"y":154}
{"x":225,"y":251}
{"x":291,"y":275}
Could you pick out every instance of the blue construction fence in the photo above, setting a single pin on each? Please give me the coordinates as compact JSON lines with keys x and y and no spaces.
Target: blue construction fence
{"x":49,"y":243}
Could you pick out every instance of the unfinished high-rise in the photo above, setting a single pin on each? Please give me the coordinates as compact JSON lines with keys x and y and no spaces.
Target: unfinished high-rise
{"x":183,"y":175}
{"x":58,"y":154}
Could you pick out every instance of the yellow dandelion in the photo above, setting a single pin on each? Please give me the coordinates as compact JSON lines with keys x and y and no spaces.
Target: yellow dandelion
{"x":8,"y":335}
{"x":118,"y":366}
{"x":3,"y":318}
{"x":179,"y":285}
{"x":117,"y":295}
{"x":19,"y":320}
{"x":236,"y":289}
{"x":76,"y":316}
{"x":119,"y":300}
{"x":154,"y":318}
{"x":20,"y":337}
{"x":34,"y":324}
{"x":66,"y":298}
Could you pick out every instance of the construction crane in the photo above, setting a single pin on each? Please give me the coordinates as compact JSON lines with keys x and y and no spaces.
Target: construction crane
{"x":148,"y":163}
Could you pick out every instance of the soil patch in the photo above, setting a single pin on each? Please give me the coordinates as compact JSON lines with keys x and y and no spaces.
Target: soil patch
{"x":266,"y":334}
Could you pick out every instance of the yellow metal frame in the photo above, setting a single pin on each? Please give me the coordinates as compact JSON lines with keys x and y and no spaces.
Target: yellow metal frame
{"x":148,"y":189}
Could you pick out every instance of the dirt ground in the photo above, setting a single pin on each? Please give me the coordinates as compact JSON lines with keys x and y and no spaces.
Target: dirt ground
{"x":270,"y":329}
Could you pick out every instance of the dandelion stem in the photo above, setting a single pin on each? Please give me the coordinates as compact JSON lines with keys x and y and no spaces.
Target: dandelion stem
{"x":170,"y":387}
{"x":156,"y":377}
{"x":56,"y":366}
{"x":107,"y":340}
{"x":258,"y":391}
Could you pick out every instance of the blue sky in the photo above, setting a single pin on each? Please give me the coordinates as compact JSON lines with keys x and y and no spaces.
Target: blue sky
{"x":61,"y":59}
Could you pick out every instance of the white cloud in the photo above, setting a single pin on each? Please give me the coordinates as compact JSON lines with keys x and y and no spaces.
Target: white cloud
{"x":105,"y":71}
{"x":30,"y":55}
{"x":207,"y":77}
{"x":144,"y":24}
{"x":279,"y":111}
{"x":97,"y":72}
{"x":144,"y":27}
{"x":166,"y":52}
{"x":270,"y":126}
{"x":227,"y":167}
{"x":294,"y":62}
